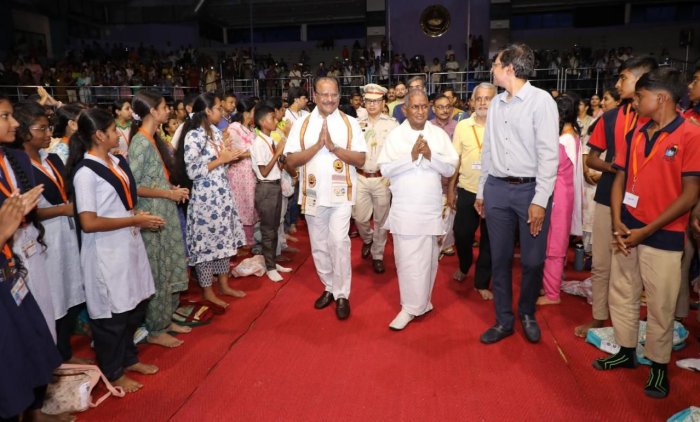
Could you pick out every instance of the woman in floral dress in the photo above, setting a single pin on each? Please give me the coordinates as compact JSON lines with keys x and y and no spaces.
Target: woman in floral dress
{"x":240,"y":172}
{"x":214,"y":231}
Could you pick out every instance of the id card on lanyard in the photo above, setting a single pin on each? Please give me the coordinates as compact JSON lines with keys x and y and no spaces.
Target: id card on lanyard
{"x":19,"y":289}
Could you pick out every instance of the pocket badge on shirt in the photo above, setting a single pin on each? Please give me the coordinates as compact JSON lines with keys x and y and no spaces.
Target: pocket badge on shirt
{"x":19,"y":290}
{"x":476,"y":165}
{"x":29,"y":248}
{"x":631,"y":199}
{"x":671,"y":153}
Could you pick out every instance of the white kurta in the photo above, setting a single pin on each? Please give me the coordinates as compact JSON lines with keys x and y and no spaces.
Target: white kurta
{"x":115,"y":266}
{"x":328,"y":227}
{"x":62,"y":258}
{"x":415,"y":217}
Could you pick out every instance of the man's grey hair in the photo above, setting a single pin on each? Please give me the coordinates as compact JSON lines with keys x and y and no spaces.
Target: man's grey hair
{"x":485,"y":85}
{"x":415,"y":93}
{"x":521,"y":57}
{"x":416,"y":78}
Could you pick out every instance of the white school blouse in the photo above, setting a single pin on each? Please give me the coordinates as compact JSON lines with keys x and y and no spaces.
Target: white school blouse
{"x":115,"y":266}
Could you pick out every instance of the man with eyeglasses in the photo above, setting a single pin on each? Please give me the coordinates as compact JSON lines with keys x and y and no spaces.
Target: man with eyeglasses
{"x":326,"y":147}
{"x":468,"y":140}
{"x":519,"y":164}
{"x":415,"y":156}
{"x":373,"y":196}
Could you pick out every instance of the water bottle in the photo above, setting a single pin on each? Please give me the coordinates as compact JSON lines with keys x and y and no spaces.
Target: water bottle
{"x":579,"y":257}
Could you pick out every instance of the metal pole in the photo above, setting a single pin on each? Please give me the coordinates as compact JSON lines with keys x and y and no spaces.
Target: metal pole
{"x":469,"y":30}
{"x":388,"y":32}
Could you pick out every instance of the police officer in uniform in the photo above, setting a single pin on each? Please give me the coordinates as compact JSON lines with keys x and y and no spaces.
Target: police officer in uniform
{"x":373,"y":196}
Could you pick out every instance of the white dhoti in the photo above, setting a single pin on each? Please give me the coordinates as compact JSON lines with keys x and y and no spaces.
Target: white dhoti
{"x":330,"y":248}
{"x":373,"y":198}
{"x":416,"y":265}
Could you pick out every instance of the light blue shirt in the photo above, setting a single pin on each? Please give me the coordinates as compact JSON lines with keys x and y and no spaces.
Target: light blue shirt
{"x":522,"y":140}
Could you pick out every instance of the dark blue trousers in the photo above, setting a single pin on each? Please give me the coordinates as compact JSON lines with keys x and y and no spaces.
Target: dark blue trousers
{"x":506,"y":207}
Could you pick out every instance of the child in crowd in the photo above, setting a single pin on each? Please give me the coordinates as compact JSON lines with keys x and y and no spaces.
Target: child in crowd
{"x":265,"y":157}
{"x":656,"y":185}
{"x":27,"y":349}
{"x":214,"y":231}
{"x":566,"y":200}
{"x":66,"y":125}
{"x":115,"y":265}
{"x":151,"y":164}
{"x":62,"y":255}
{"x":123,"y":116}
{"x":608,"y":135}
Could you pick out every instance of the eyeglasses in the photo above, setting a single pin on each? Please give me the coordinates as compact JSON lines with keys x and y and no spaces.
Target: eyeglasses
{"x":377,"y":101}
{"x":443,"y":107}
{"x":42,"y":128}
{"x":497,"y":64}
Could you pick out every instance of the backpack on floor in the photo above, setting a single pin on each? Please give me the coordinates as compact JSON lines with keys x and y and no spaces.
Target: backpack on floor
{"x":71,"y":389}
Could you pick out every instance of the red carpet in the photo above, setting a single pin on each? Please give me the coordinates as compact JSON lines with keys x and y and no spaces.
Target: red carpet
{"x":274,"y":357}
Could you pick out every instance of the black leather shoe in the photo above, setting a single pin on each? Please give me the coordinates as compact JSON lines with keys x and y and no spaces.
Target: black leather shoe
{"x":378,"y":265}
{"x":366,"y":249}
{"x":495,"y":334}
{"x":531,"y":329}
{"x":342,"y":308}
{"x":324,"y":300}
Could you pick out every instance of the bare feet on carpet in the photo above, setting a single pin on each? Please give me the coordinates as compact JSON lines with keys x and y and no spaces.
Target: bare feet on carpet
{"x":80,"y":361}
{"x":459,"y":275}
{"x":129,"y":385}
{"x":485,"y":294}
{"x":544,"y":300}
{"x":180,"y":329}
{"x":228,"y":291}
{"x":211,"y":297}
{"x":38,"y":416}
{"x":165,"y":340}
{"x":143,"y":368}
{"x":582,"y":330}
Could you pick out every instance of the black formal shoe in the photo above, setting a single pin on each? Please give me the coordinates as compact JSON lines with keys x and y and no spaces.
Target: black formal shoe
{"x":495,"y":334}
{"x":324,"y":300}
{"x":342,"y":308}
{"x":378,"y":265}
{"x":530,"y":328}
{"x":366,"y":249}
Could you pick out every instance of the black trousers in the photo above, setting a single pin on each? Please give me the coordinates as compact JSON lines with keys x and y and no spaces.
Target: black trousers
{"x":467,"y":220}
{"x":506,"y":206}
{"x":64,"y":330}
{"x":268,"y":203}
{"x":114,"y":340}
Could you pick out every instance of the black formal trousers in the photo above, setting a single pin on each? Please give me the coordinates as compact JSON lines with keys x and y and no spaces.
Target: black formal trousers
{"x":467,"y":220}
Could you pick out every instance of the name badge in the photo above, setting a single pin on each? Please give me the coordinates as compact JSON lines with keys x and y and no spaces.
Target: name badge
{"x":71,"y":223}
{"x":310,"y":205}
{"x":29,"y":248}
{"x":19,"y":290}
{"x":630,"y":199}
{"x":476,"y":165}
{"x":339,"y":189}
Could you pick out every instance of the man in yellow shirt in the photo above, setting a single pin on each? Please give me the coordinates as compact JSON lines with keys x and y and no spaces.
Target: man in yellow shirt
{"x":468,"y":139}
{"x":400,"y":92}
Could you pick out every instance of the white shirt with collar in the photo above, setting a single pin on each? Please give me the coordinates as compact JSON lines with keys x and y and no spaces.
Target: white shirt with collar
{"x":261,"y":154}
{"x":321,"y":166}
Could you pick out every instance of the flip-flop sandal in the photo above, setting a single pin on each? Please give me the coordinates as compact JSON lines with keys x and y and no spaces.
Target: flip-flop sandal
{"x":216,"y":309}
{"x":193,"y":315}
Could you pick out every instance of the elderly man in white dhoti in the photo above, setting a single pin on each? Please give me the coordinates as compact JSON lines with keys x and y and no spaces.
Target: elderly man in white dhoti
{"x":415,"y":156}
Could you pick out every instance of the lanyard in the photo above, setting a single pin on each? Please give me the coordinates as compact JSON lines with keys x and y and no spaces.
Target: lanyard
{"x":629,"y":112}
{"x":153,"y":142}
{"x":478,"y":143}
{"x":270,"y":145}
{"x":8,"y":254}
{"x":123,"y":180}
{"x":635,"y":169}
{"x":57,"y":180}
{"x":6,"y":178}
